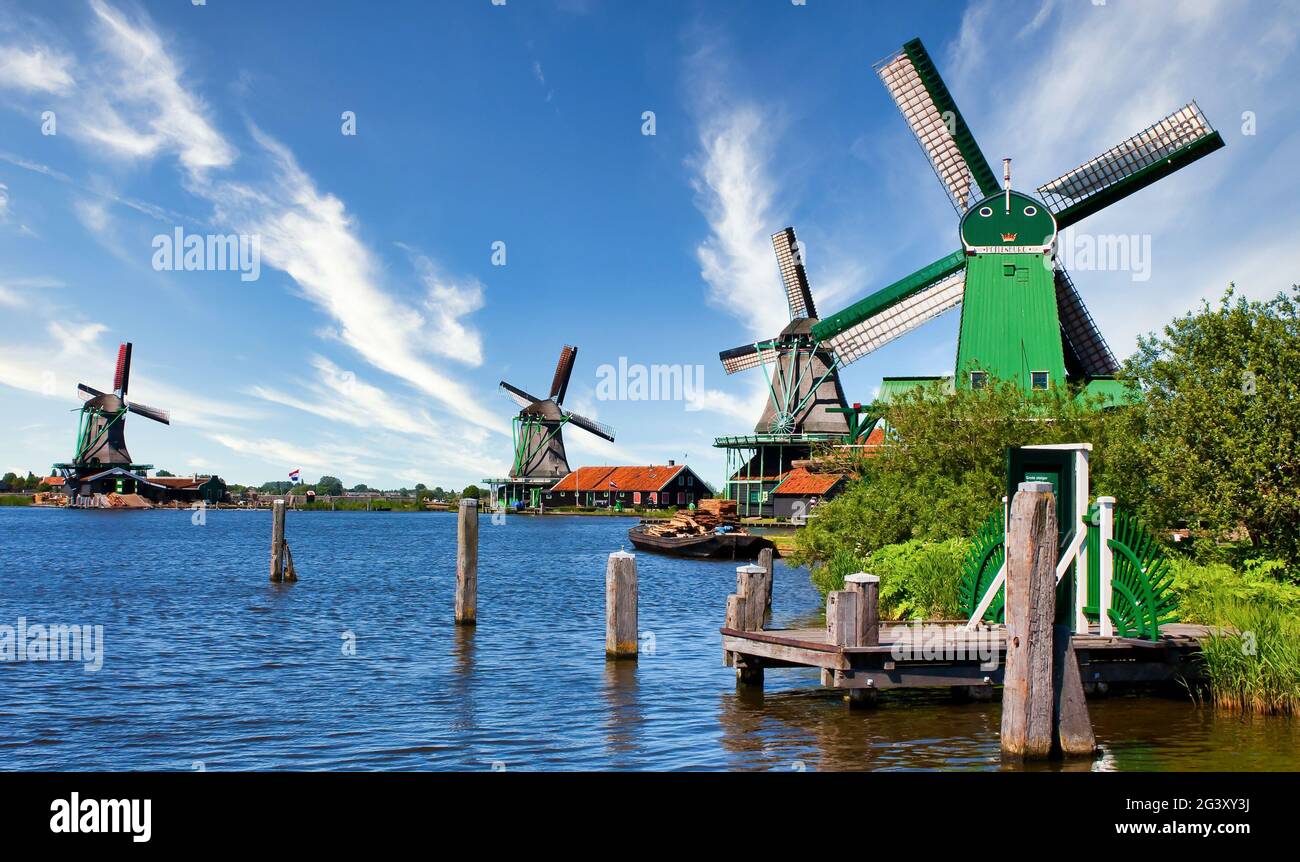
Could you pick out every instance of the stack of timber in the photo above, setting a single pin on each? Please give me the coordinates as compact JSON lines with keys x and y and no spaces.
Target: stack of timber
{"x":707,"y":517}
{"x":707,"y":532}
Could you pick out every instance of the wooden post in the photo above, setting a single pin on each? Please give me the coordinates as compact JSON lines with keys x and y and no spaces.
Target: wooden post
{"x":765,"y":561}
{"x":751,"y":582}
{"x":466,"y":563}
{"x":277,"y":542}
{"x":736,"y":611}
{"x":1105,"y":563}
{"x":1027,"y":692}
{"x":620,"y":606}
{"x":868,"y":622}
{"x":842,"y":622}
{"x":1073,"y":734}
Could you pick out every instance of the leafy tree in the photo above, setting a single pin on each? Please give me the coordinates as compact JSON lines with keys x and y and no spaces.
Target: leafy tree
{"x":163,"y":473}
{"x":941,"y":472}
{"x":329,"y":485}
{"x":471,"y":491}
{"x":9,"y":481}
{"x":1215,"y":442}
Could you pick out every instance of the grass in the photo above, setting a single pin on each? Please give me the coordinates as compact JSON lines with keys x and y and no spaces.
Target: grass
{"x":15,"y":500}
{"x":1252,"y":662}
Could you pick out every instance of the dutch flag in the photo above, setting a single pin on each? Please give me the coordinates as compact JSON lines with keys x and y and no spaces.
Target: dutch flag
{"x":293,"y":476}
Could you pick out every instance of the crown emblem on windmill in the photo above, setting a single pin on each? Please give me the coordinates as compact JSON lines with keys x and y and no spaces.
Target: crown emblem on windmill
{"x":539,"y":444}
{"x":996,"y":321}
{"x":803,"y":382}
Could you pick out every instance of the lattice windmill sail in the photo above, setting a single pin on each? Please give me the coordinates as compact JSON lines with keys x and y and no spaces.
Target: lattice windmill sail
{"x":1017,"y":322}
{"x":802,"y":381}
{"x":538,"y":441}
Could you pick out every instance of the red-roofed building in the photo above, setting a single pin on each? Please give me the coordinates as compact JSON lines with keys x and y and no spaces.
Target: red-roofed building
{"x":651,"y":487}
{"x":801,"y":491}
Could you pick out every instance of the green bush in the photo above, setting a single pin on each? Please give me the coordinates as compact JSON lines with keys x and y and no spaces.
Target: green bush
{"x":1253,"y":663}
{"x":1206,"y":589}
{"x":918,"y":580}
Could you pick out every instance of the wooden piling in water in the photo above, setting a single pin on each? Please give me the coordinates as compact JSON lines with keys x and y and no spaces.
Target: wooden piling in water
{"x":846,"y":625}
{"x":752,"y":583}
{"x":1031,"y":553}
{"x":765,"y":561}
{"x":277,"y":542}
{"x":467,"y":563}
{"x":868,"y":619}
{"x":620,"y":606}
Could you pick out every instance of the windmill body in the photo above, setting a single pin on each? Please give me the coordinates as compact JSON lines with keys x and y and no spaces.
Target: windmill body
{"x":539,"y":459}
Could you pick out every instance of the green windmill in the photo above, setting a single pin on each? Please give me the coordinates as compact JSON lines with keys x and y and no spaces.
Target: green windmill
{"x":1022,"y":319}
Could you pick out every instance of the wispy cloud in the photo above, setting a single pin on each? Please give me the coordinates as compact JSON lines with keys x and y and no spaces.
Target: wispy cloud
{"x":37,"y":69}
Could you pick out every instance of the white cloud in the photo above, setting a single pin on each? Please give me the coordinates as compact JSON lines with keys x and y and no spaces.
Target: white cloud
{"x":37,"y":70}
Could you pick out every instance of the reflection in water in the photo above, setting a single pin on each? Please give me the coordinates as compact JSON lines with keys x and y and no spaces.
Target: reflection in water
{"x":623,"y":716}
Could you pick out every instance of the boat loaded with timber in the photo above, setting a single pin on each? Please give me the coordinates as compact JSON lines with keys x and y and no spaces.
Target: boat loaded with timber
{"x":709,"y":532}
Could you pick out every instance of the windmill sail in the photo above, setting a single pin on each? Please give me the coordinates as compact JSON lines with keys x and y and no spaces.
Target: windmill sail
{"x":922,"y":97}
{"x":600,"y":429}
{"x":1162,"y":148}
{"x":150,"y":413}
{"x":789,"y":258}
{"x":871,"y":323}
{"x":519,"y":396}
{"x":563,"y":371}
{"x":1082,"y":337}
{"x":748,"y":356}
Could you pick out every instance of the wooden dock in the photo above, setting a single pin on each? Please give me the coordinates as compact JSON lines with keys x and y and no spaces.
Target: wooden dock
{"x":946,"y":654}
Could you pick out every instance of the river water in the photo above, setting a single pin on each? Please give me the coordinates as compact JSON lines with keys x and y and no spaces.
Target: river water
{"x":206,"y":665}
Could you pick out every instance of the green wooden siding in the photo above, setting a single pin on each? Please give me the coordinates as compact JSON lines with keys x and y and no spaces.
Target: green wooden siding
{"x":1009,"y":324}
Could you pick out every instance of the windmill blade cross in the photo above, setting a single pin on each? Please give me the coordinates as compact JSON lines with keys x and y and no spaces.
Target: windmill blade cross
{"x":519,"y":396}
{"x":122,"y":373}
{"x":600,"y":429}
{"x":921,"y":95}
{"x":563,"y":371}
{"x":153,"y":413}
{"x":789,"y":258}
{"x":1156,"y":152}
{"x":88,"y":392}
{"x":895,"y":310}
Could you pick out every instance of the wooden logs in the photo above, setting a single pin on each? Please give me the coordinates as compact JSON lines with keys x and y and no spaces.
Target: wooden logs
{"x":868,"y":622}
{"x":467,"y":563}
{"x":620,"y":606}
{"x":277,"y":542}
{"x":1027,"y":694}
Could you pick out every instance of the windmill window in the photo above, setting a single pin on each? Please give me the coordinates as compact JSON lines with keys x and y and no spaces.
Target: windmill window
{"x":1008,"y":269}
{"x":978,"y":379}
{"x":636,"y":497}
{"x":1031,"y":211}
{"x":986,"y":211}
{"x":1039,"y":380}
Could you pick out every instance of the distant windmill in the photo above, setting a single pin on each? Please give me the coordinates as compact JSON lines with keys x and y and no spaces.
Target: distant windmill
{"x":538,"y":443}
{"x":1022,"y":319}
{"x":101,"y":439}
{"x":102,"y":463}
{"x":802,"y":381}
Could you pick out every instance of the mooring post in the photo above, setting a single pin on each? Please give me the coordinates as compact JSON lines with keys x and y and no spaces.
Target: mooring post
{"x":277,"y":542}
{"x":751,"y":582}
{"x":765,"y":561}
{"x":868,"y":622}
{"x":467,"y":563}
{"x":846,"y":626}
{"x":736,"y":611}
{"x":620,"y":606}
{"x":1105,"y":562}
{"x":1027,"y":693}
{"x":1072,"y":734}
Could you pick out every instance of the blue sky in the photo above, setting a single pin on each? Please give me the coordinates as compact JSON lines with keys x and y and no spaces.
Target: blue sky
{"x":371,"y":344}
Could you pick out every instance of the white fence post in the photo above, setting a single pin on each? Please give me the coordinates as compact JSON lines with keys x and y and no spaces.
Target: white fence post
{"x":1105,"y":562}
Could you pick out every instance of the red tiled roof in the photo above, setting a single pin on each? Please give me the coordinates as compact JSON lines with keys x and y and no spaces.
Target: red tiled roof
{"x":53,"y":481}
{"x":177,"y":481}
{"x":652,"y":478}
{"x":800,"y":482}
